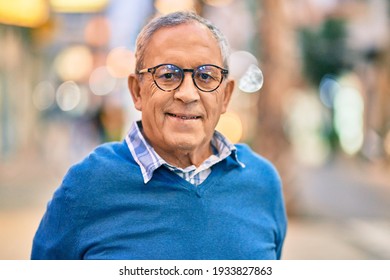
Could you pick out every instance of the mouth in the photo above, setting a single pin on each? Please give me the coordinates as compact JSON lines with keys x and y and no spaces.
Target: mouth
{"x":184,"y":117}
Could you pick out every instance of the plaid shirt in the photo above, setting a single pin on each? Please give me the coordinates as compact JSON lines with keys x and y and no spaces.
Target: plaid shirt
{"x":148,"y":160}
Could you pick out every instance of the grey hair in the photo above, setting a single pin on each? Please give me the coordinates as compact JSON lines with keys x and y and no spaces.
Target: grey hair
{"x":175,"y":19}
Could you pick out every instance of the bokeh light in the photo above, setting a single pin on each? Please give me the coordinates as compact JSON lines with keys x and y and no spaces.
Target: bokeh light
{"x":97,"y":31}
{"x":83,"y":104}
{"x":169,"y":6}
{"x":78,"y":6}
{"x":348,"y":119}
{"x":68,"y":96}
{"x":120,"y":62}
{"x":243,"y":67}
{"x":239,"y":62}
{"x":43,"y":96}
{"x":252,"y":80}
{"x":101,"y":82}
{"x":329,"y":87}
{"x":217,"y":3}
{"x":74,"y":63}
{"x":308,"y":145}
{"x":27,"y":13}
{"x":230,"y":125}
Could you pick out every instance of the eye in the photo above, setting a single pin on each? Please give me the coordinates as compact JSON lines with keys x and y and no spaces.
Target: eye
{"x":166,"y":76}
{"x":167,"y":73}
{"x":206,"y":77}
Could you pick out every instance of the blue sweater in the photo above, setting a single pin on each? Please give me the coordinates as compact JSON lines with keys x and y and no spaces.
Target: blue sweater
{"x":103,"y":210}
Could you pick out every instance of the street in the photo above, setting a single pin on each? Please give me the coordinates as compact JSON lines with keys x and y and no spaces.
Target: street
{"x":342,"y":212}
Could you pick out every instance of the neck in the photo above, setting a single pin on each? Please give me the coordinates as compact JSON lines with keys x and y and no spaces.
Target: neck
{"x":183,"y":157}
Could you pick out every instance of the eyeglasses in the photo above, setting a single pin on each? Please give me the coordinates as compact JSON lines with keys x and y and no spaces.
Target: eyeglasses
{"x":169,"y":77}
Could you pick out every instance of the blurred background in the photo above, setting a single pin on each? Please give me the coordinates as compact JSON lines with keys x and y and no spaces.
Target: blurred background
{"x":312,"y":95}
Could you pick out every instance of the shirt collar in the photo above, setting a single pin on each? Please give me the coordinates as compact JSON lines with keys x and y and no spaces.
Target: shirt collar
{"x":148,"y":160}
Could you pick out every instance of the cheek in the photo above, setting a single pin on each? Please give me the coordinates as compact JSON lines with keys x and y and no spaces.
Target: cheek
{"x":153,"y":89}
{"x":150,"y":96}
{"x":213,"y":104}
{"x":153,"y":108}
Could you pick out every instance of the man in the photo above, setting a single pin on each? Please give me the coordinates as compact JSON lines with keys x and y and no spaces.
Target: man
{"x":174,"y":188}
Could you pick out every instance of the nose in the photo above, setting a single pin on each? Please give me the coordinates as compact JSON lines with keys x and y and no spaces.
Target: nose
{"x":187,"y":92}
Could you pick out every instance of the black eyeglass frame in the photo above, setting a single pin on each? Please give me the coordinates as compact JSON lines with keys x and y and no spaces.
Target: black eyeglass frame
{"x":152,"y":70}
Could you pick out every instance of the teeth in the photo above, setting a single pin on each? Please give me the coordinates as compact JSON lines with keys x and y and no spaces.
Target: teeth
{"x":184,"y":117}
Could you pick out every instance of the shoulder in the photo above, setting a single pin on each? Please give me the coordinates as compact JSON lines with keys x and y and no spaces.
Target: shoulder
{"x":257,"y":164}
{"x":107,"y":163}
{"x":252,"y":159}
{"x":104,"y":156}
{"x":110,"y":152}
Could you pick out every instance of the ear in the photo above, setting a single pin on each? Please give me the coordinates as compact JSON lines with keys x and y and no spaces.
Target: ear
{"x":227,"y":95}
{"x":135,"y":91}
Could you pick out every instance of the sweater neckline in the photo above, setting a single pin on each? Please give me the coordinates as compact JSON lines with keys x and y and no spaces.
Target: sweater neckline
{"x":198,"y":190}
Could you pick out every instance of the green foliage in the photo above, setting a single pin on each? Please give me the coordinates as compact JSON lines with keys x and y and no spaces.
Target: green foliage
{"x":324,"y":50}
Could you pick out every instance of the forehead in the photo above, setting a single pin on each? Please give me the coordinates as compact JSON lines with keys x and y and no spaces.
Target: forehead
{"x":190,"y":43}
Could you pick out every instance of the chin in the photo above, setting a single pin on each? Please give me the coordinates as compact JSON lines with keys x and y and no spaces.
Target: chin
{"x":183,"y":141}
{"x":184,"y":144}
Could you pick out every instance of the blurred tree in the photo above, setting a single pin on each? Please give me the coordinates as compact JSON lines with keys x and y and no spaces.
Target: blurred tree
{"x":279,"y":65}
{"x":324,"y":50}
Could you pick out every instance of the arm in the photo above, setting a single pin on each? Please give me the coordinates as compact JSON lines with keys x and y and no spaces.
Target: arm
{"x":280,"y":219}
{"x":56,"y":237}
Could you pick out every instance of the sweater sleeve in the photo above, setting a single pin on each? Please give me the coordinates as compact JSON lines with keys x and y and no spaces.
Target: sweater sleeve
{"x":281,"y":219}
{"x":56,"y":237}
{"x":280,"y":215}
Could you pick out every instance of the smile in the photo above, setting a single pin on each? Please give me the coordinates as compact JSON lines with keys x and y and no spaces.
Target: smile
{"x":184,"y":117}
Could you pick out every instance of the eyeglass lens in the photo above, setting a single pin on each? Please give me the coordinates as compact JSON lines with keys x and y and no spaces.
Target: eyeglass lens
{"x":169,"y":77}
